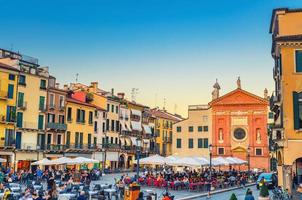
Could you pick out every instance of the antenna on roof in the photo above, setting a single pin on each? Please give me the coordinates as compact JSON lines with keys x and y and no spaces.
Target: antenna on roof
{"x":77,"y":77}
{"x":134,"y":92}
{"x":164,"y":108}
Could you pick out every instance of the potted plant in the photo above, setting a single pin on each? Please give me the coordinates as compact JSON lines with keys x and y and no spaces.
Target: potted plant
{"x":233,"y":197}
{"x":264,"y":194}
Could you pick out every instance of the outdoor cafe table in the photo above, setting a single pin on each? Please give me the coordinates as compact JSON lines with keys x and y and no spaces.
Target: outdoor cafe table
{"x":104,"y":186}
{"x":110,"y":192}
{"x":66,"y":196}
{"x":92,"y":193}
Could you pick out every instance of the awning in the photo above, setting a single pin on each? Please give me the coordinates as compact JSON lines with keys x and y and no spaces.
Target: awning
{"x":136,"y":126}
{"x":122,"y":123}
{"x":136,"y":112}
{"x":147,"y":129}
{"x":133,"y":140}
{"x":112,"y":156}
{"x":126,"y":141}
{"x":128,"y":126}
{"x":99,"y":156}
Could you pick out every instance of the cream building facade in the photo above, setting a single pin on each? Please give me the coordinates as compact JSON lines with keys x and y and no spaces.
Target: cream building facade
{"x":192,"y":136}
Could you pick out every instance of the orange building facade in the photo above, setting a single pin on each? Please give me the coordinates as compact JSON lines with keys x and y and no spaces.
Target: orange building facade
{"x":239,"y":127}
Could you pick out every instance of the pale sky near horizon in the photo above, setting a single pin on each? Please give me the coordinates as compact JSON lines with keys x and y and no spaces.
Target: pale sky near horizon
{"x":167,"y":49}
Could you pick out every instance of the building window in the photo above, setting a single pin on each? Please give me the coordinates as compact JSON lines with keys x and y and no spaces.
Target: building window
{"x":41,"y":122}
{"x":205,"y":128}
{"x":22,"y":80}
{"x":116,"y":109}
{"x":107,"y":124}
{"x":191,"y":143}
{"x":61,"y":102}
{"x":67,"y":138}
{"x":178,"y":143}
{"x":178,"y":129}
{"x":112,"y":125}
{"x":117,"y":126}
{"x":19,"y":119}
{"x":90,"y":117}
{"x":191,"y":129}
{"x":200,"y":143}
{"x":43,"y":84}
{"x":42,"y":103}
{"x":11,"y":77}
{"x":61,"y":119}
{"x":21,"y":99}
{"x":220,"y":151}
{"x":104,"y":127}
{"x":271,"y":115}
{"x":10,"y":91}
{"x":205,"y":143}
{"x":51,"y":100}
{"x":108,"y":107}
{"x":258,"y":152}
{"x":298,"y":60}
{"x":112,"y":108}
{"x":69,"y":111}
{"x":51,"y":118}
{"x":199,"y":128}
{"x":297,"y":101}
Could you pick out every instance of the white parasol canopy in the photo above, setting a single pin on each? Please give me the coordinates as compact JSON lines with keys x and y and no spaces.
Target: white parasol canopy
{"x":153,"y":160}
{"x":44,"y":161}
{"x":61,"y":161}
{"x":187,"y":161}
{"x":219,"y":161}
{"x":82,"y":160}
{"x":235,"y":161}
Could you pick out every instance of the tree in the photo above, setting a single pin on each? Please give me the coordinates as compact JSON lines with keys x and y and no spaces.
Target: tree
{"x":233,"y":197}
{"x":264,"y":191}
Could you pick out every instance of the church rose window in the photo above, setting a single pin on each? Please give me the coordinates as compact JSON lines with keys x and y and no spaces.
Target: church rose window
{"x":239,"y":134}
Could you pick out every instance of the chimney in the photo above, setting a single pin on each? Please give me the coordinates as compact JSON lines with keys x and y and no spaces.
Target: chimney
{"x":65,"y":87}
{"x":121,"y":95}
{"x":112,"y":91}
{"x":58,"y":85}
{"x":94,"y":86}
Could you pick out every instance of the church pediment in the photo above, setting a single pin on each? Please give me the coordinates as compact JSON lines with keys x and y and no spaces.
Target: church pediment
{"x":239,"y":96}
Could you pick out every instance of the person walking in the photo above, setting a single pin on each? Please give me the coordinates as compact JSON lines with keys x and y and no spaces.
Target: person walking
{"x":249,"y":195}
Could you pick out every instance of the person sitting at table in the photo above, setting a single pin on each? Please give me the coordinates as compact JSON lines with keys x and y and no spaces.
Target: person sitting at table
{"x":186,"y":182}
{"x":177,"y":183}
{"x":82,"y":196}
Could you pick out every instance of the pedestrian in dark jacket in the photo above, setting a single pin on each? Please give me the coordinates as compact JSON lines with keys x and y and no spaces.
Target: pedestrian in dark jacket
{"x":249,"y":195}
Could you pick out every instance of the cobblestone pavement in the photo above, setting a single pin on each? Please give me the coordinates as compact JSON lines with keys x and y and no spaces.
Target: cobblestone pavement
{"x":240,"y":193}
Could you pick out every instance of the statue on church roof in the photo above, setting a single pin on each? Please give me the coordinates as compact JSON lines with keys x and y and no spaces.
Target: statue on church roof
{"x":239,"y":82}
{"x":215,"y":93}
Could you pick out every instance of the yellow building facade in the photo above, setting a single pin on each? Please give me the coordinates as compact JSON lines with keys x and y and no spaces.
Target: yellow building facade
{"x":8,"y":97}
{"x":193,"y":134}
{"x":79,"y":117}
{"x":286,"y":29}
{"x":163,"y":130}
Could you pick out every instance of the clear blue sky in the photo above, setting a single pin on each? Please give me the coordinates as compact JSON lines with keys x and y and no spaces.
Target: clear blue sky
{"x":173,"y":49}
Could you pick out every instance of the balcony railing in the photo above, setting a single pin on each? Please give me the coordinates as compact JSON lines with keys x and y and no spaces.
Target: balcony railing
{"x":81,"y":146}
{"x":168,"y":139}
{"x":55,"y":147}
{"x":57,"y":126}
{"x":111,"y":146}
{"x":3,"y":95}
{"x":22,"y":105}
{"x":3,"y":119}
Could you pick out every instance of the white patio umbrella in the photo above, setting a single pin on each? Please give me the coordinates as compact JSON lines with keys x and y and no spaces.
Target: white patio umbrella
{"x":44,"y":161}
{"x":153,"y":160}
{"x":219,"y":161}
{"x":204,"y":161}
{"x":61,"y":161}
{"x":82,"y":160}
{"x":186,"y":161}
{"x":237,"y":160}
{"x":233,"y":161}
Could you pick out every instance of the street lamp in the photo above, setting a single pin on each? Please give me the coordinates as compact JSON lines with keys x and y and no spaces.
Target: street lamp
{"x":248,"y":159}
{"x":138,"y":149}
{"x":210,"y":151}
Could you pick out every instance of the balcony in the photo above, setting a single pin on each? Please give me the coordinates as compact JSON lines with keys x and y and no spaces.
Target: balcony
{"x":4,"y":120}
{"x":42,"y":108}
{"x":275,"y":101}
{"x":111,"y":146}
{"x":51,"y":106}
{"x":81,"y":146}
{"x":62,"y":108}
{"x":3,"y":95}
{"x":278,"y":137}
{"x":22,"y":105}
{"x":55,"y":147}
{"x":129,"y":149}
{"x":56,"y":126}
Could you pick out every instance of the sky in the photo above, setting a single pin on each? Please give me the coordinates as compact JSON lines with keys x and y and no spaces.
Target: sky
{"x":168,"y":49}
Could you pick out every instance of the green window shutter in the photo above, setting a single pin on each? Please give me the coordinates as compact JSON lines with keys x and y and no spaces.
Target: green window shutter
{"x":42,"y":103}
{"x":178,"y":143}
{"x":81,"y":139}
{"x":68,"y":138}
{"x":19,"y":119}
{"x":296,"y":110}
{"x":20,"y":99}
{"x":298,"y":61}
{"x":200,"y":143}
{"x":206,"y":143}
{"x":89,"y":139}
{"x":40,"y":122}
{"x":10,"y":91}
{"x":76,"y":139}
